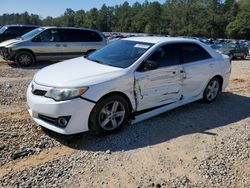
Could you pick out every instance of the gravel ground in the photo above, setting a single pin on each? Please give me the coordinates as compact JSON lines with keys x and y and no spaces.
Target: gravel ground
{"x":197,"y":145}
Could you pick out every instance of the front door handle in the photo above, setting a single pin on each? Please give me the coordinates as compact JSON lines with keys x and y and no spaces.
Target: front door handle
{"x":65,"y":45}
{"x":182,"y":71}
{"x":58,"y":45}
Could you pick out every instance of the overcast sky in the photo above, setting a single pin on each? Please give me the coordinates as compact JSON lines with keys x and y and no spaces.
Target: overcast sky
{"x":55,"y":8}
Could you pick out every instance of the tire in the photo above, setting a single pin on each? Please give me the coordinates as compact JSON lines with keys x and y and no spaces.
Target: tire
{"x":212,"y":90}
{"x":104,"y":118}
{"x":24,"y":58}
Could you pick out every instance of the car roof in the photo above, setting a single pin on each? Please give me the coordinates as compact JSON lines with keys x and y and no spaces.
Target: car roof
{"x":154,"y":40}
{"x":20,"y":26}
{"x":55,"y":27}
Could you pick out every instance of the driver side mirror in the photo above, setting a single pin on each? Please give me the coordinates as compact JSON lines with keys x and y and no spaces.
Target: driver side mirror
{"x":148,"y":65}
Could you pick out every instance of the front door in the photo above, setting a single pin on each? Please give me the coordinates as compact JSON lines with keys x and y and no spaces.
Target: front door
{"x":48,"y":46}
{"x":158,"y":81}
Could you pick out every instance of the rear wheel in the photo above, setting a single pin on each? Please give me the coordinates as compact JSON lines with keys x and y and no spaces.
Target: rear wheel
{"x":24,"y":58}
{"x":109,"y":115}
{"x":212,"y":90}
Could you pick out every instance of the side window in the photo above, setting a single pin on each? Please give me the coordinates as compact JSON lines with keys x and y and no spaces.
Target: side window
{"x":192,"y":52}
{"x":167,"y":55}
{"x":70,"y":35}
{"x":15,"y":31}
{"x":50,"y":35}
{"x":78,"y":35}
{"x":172,"y":55}
{"x":92,"y":36}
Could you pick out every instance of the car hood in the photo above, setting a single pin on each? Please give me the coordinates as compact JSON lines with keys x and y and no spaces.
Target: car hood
{"x":76,"y":73}
{"x":9,"y":42}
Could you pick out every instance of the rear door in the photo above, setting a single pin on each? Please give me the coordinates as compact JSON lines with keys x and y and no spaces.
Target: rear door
{"x":77,"y":42}
{"x":71,"y":45}
{"x":198,"y":67}
{"x":91,"y":40}
{"x":163,"y":84}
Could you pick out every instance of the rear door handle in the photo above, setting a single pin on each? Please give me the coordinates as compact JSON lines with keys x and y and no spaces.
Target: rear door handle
{"x":58,"y":45}
{"x":182,"y":71}
{"x":65,"y":45}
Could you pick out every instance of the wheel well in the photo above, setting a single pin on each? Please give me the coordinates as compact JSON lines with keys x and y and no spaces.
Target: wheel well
{"x":122,"y":95}
{"x":27,"y":50}
{"x":114,"y":93}
{"x":220,"y":79}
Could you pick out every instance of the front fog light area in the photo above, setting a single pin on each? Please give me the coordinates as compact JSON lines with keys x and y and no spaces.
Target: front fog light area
{"x":59,"y":122}
{"x":62,"y":122}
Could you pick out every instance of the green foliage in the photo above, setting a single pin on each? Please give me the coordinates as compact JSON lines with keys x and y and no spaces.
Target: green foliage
{"x":208,"y":18}
{"x":240,"y":27}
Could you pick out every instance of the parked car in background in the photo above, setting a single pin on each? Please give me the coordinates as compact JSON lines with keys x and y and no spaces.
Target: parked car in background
{"x":12,"y":31}
{"x":130,"y":79}
{"x":234,"y":50}
{"x":51,"y":43}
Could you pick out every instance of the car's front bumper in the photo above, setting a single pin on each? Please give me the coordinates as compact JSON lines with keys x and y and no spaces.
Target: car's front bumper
{"x":6,"y":53}
{"x":78,"y":109}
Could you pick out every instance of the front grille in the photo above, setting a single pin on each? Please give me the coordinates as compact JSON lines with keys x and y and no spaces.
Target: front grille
{"x":39,"y":92}
{"x":4,"y":53}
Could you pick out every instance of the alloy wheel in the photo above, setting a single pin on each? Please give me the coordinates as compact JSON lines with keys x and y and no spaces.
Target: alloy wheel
{"x":112,"y":115}
{"x":24,"y":59}
{"x":213,"y":90}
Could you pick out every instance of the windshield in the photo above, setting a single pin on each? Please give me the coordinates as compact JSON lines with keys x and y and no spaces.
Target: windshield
{"x":2,"y":30}
{"x":31,"y":34}
{"x":122,"y":53}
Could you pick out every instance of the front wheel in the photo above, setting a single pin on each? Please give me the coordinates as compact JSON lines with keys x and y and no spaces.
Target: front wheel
{"x":24,"y":58}
{"x":109,"y":115}
{"x":212,"y":90}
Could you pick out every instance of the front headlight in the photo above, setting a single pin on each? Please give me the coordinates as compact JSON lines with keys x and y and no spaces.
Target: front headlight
{"x":61,"y":94}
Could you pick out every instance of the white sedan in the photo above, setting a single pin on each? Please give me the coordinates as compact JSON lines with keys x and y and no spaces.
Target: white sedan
{"x":129,"y":80}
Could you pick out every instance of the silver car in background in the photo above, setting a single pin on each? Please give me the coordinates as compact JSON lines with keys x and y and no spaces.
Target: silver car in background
{"x":51,"y":44}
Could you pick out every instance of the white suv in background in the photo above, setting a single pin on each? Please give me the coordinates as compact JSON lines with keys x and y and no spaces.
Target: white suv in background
{"x":131,"y":79}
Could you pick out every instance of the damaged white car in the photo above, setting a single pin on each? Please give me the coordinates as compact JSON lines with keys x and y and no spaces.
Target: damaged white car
{"x":129,"y":80}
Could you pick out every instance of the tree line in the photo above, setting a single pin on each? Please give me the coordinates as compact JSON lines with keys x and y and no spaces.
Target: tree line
{"x":207,"y":18}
